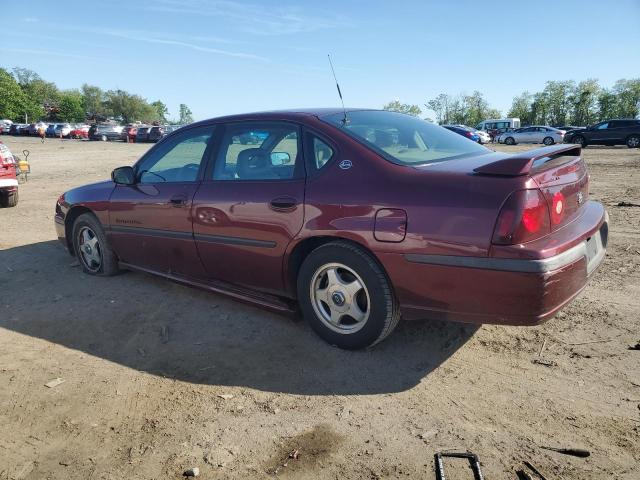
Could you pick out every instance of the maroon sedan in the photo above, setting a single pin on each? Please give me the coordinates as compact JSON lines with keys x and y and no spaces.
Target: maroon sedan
{"x":358,"y":217}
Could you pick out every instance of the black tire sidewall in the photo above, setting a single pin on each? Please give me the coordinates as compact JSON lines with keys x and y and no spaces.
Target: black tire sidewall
{"x":510,"y":141}
{"x":580,"y":140}
{"x":381,"y":304}
{"x":629,"y":140}
{"x":544,"y":141}
{"x":108,"y":266}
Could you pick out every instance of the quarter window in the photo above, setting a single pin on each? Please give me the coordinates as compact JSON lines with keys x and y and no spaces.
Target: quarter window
{"x":177,"y":159}
{"x":322,"y":153}
{"x":258,"y":152}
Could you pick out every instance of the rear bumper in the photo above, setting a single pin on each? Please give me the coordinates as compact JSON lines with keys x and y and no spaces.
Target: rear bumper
{"x":508,"y":291}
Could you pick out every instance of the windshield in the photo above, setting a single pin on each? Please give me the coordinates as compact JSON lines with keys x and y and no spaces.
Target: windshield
{"x":404,"y":139}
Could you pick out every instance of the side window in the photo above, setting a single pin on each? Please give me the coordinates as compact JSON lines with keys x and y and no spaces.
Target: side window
{"x":603,"y":126}
{"x":177,"y":159}
{"x":322,"y":153}
{"x":253,"y":151}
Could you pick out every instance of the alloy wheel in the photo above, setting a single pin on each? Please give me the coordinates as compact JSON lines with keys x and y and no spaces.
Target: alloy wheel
{"x":89,"y":249}
{"x":340,"y":298}
{"x":633,"y":142}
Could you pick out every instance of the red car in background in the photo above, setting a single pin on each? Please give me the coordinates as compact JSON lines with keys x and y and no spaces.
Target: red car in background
{"x":8,"y":178}
{"x":358,"y":217}
{"x":80,"y":132}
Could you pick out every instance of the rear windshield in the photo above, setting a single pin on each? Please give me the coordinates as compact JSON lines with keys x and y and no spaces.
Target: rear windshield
{"x":404,"y":139}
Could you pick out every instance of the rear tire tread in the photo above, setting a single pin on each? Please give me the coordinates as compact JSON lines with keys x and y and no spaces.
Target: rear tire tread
{"x":393,"y":312}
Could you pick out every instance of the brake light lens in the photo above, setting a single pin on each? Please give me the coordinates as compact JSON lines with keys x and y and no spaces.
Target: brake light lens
{"x":523,"y":218}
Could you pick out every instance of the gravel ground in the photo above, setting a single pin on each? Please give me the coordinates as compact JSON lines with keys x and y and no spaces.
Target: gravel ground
{"x":159,"y":377}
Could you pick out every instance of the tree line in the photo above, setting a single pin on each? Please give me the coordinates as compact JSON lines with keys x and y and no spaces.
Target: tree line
{"x":559,"y":103}
{"x":25,"y":96}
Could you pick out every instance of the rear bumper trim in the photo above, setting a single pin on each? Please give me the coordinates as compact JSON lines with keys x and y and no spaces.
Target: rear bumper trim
{"x":544,"y":265}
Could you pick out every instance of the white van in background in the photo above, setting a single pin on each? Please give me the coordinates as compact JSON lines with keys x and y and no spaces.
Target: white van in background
{"x":498,"y":125}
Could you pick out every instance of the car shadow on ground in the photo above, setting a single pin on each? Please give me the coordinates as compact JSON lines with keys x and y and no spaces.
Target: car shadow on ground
{"x":156,"y":326}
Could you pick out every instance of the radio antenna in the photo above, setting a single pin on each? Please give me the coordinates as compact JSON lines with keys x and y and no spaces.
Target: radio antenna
{"x":345,"y":120}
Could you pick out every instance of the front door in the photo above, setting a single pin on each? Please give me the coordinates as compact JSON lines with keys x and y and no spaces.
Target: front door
{"x":151,"y":225}
{"x":251,"y":204}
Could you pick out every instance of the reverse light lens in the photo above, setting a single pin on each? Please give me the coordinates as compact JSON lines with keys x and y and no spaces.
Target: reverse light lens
{"x":557,"y":208}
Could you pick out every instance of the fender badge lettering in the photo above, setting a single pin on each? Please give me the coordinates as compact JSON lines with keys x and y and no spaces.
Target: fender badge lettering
{"x":579,"y":198}
{"x":345,"y":164}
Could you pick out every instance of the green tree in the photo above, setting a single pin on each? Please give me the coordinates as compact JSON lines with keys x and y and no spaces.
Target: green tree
{"x":627,"y":93}
{"x":129,"y":108}
{"x":93,"y":100}
{"x":441,"y":106}
{"x":185,"y":115}
{"x":521,"y":108}
{"x":558,"y":96}
{"x":396,"y":106}
{"x":161,"y":109}
{"x":585,"y":102}
{"x":607,"y":105}
{"x":14,"y":104}
{"x":24,"y":76}
{"x":70,"y":107}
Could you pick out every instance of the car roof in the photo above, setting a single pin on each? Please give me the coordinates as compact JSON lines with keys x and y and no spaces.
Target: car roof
{"x":290,"y":114}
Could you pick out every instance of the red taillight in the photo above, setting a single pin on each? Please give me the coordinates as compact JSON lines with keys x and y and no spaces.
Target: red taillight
{"x":557,"y":208}
{"x":523,"y":218}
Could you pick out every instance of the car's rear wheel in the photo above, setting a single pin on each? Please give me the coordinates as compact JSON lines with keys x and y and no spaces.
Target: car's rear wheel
{"x":580,"y":140}
{"x":633,"y":141}
{"x":346,"y":297}
{"x":9,"y":199}
{"x":548,"y":141}
{"x":92,"y":247}
{"x":510,"y":141}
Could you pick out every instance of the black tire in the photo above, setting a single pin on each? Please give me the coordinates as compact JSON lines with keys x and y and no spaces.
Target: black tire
{"x":548,"y":141}
{"x":580,"y":140}
{"x":8,"y":200}
{"x":509,"y":141}
{"x":633,"y":141}
{"x":108,"y":265}
{"x":382,"y":307}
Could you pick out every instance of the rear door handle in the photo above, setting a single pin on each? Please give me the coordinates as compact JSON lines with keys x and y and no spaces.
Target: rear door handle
{"x":284,"y":203}
{"x":178,"y":201}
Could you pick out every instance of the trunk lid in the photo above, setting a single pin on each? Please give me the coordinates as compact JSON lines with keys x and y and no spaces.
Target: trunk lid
{"x":559,"y":171}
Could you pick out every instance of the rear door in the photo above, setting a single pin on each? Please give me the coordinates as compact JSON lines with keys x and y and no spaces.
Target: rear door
{"x":251,"y":204}
{"x":525,"y":135}
{"x":151,"y":224}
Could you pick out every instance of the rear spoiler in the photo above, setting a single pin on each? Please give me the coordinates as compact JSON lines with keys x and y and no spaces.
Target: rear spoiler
{"x":523,"y":162}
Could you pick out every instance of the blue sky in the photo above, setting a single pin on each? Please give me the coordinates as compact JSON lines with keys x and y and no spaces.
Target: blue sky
{"x":231,"y":56}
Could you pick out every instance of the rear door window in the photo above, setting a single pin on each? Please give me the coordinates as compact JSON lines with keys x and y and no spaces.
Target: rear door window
{"x":254,"y":151}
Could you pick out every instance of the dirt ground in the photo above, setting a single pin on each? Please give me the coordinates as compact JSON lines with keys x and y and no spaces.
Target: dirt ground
{"x":159,"y":377}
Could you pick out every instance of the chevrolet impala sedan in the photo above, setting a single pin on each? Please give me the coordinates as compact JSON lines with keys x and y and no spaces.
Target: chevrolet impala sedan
{"x":356,"y":218}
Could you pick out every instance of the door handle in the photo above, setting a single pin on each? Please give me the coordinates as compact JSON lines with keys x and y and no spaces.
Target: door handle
{"x":283,"y":203}
{"x":178,"y":201}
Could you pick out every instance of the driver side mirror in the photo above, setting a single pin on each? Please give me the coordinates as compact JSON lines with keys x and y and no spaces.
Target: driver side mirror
{"x":280,"y":158}
{"x":123,"y":176}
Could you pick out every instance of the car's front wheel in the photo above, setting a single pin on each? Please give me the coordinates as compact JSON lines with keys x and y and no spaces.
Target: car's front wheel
{"x":346,"y":297}
{"x":633,"y":141}
{"x":510,"y":141}
{"x":92,"y":248}
{"x":548,"y":141}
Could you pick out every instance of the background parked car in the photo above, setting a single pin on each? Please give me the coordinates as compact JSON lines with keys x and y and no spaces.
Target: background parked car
{"x":129,"y":133}
{"x":51,"y":130}
{"x":464,"y":131}
{"x":105,"y":132}
{"x":484,"y":136}
{"x":156,"y":133}
{"x":625,"y":131}
{"x":63,"y":129}
{"x":5,"y":126}
{"x":533,"y":134}
{"x":142,"y":135}
{"x":34,"y":128}
{"x":80,"y":131}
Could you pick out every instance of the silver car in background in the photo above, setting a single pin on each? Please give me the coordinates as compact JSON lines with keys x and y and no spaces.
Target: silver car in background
{"x":533,"y":134}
